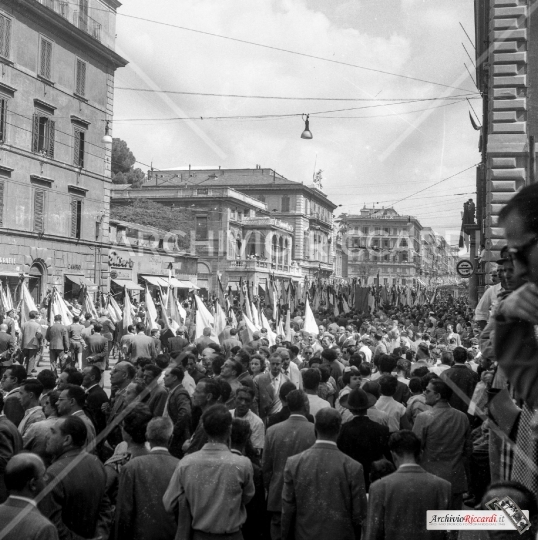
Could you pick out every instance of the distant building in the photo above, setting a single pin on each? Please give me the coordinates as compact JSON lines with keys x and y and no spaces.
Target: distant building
{"x":56,"y":94}
{"x":305,"y":208}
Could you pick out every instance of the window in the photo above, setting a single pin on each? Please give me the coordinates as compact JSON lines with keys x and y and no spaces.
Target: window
{"x":76,"y":217}
{"x":5,"y":36}
{"x":201,"y":228}
{"x":365,"y":230}
{"x":202,"y":191}
{"x":403,"y":243}
{"x":285,"y":204}
{"x":39,"y":211}
{"x":45,"y":64}
{"x":261,"y":198}
{"x":80,"y":78}
{"x":78,"y":159}
{"x":43,"y":134}
{"x":3,"y":119}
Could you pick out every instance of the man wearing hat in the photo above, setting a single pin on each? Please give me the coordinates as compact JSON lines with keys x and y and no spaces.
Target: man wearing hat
{"x":363,"y":439}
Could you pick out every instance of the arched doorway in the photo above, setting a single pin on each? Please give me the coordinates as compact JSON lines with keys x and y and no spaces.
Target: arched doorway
{"x":35,"y":281}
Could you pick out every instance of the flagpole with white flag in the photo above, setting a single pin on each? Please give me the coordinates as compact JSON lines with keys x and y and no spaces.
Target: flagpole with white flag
{"x":151,"y":312}
{"x":310,"y":325}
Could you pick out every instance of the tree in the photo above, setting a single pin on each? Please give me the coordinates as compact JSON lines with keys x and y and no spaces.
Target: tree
{"x":160,"y":216}
{"x":122,"y":165}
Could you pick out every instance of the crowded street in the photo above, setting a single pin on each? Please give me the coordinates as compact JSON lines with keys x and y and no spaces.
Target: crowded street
{"x":268,"y":270}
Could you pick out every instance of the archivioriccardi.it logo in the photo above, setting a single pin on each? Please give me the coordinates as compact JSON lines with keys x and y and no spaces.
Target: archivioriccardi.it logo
{"x":505,"y":515}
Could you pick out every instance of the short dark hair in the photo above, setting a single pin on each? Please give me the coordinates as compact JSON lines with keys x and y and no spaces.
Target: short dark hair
{"x":244,"y":357}
{"x":311,"y":378}
{"x":142,"y":362}
{"x":225,"y":389}
{"x":76,"y":428}
{"x":185,"y":359}
{"x":285,"y":389}
{"x":19,"y":472}
{"x":75,"y":377}
{"x":356,"y":359}
{"x":217,"y":420}
{"x":17,"y":372}
{"x":96,"y":372}
{"x":76,"y":318}
{"x":136,"y":421}
{"x":414,"y":385}
{"x":421,"y":371}
{"x":442,"y":388}
{"x":33,"y":386}
{"x":365,"y":370}
{"x":329,"y":354}
{"x":155,"y":370}
{"x":211,"y":387}
{"x":177,"y":372}
{"x":388,"y":385}
{"x":245,"y":389}
{"x":447,"y":357}
{"x":130,"y":328}
{"x":47,"y":378}
{"x":426,"y":378}
{"x":215,"y":346}
{"x":53,"y":396}
{"x":460,"y":355}
{"x":162,"y":360}
{"x":140,"y":326}
{"x":387,"y":363}
{"x":236,"y":366}
{"x":77,"y":393}
{"x":348,"y":373}
{"x":296,"y":400}
{"x":216,"y":364}
{"x":404,"y":442}
{"x":328,"y":422}
{"x":97,"y":327}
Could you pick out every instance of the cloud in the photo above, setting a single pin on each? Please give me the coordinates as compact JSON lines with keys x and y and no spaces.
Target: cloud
{"x":347,"y":149}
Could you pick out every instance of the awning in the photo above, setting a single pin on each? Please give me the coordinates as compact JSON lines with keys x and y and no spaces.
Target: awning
{"x":156,"y":280}
{"x":81,"y":281}
{"x":185,"y":285}
{"x":131,"y":285}
{"x":11,"y":274}
{"x":420,"y":282}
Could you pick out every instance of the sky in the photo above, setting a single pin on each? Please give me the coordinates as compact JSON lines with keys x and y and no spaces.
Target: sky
{"x":377,"y":153}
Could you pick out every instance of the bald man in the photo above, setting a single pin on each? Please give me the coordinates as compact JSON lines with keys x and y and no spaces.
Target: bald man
{"x":19,"y":515}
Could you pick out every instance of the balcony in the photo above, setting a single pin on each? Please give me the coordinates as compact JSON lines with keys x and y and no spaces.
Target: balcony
{"x":317,"y":216}
{"x":267,"y":222}
{"x":81,"y":20}
{"x":253,"y":265}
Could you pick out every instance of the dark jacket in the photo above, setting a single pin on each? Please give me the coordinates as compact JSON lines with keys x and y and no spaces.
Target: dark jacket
{"x":10,"y":444}
{"x":77,"y":505}
{"x":13,"y":408}
{"x":57,"y":337}
{"x":95,"y":397}
{"x":282,"y":415}
{"x":466,"y":380}
{"x":97,"y":350}
{"x":179,"y":410}
{"x":365,"y":441}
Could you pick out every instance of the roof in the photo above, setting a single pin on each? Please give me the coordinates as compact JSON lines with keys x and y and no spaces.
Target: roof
{"x":138,"y":227}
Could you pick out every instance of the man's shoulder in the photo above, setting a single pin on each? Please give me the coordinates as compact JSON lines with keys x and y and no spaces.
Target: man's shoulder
{"x":262,"y":378}
{"x":152,"y":461}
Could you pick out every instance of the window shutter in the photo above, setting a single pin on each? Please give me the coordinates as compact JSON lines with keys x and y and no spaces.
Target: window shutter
{"x":39,"y":210}
{"x":6,"y":48}
{"x":74,"y":217}
{"x":76,"y":157}
{"x":35,"y":133}
{"x":46,"y":58}
{"x":3,"y":120}
{"x":2,"y":184}
{"x":51,"y":127}
{"x":81,"y":78}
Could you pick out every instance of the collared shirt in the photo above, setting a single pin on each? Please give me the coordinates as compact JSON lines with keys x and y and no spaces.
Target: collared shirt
{"x":25,"y":499}
{"x":276,"y":383}
{"x":200,"y":477}
{"x":394,"y":409}
{"x":407,"y":465}
{"x":325,"y":442}
{"x":257,"y":429}
{"x":316,"y":404}
{"x":159,"y":448}
{"x":92,"y":386}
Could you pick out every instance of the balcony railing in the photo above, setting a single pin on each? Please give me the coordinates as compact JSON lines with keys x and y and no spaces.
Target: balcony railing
{"x":253,"y":265}
{"x":80,"y":19}
{"x":85,"y":23}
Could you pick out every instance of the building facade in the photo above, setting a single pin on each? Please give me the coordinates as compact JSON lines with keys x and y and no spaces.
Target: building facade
{"x":57,"y":65}
{"x":305,"y":208}
{"x":232,"y":234}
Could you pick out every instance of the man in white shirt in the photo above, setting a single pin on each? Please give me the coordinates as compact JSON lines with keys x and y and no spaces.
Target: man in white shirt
{"x":289,"y":368}
{"x":244,"y":399}
{"x":447,"y":359}
{"x":488,"y":300}
{"x":386,"y":403}
{"x":311,"y":380}
{"x":365,"y":349}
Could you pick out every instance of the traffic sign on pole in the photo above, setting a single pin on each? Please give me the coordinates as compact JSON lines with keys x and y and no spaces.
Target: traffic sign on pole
{"x":465,"y":268}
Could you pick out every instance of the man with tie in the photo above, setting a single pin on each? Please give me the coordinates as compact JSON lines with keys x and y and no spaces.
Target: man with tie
{"x":267,"y":388}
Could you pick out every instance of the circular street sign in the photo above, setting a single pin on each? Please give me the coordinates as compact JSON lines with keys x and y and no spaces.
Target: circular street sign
{"x":113,"y":274}
{"x":465,"y":268}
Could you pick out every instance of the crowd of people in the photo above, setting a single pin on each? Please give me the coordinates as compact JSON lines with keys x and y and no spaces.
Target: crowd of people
{"x":353,"y":431}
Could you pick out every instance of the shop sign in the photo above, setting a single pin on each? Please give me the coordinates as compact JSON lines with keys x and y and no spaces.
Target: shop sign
{"x":120,"y":273}
{"x":77,"y":267}
{"x":119,"y":262}
{"x":8,"y":260}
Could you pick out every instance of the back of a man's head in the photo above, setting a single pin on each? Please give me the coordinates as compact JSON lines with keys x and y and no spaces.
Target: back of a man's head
{"x":460,"y":355}
{"x":285,"y":389}
{"x":207,"y":331}
{"x":76,"y":428}
{"x":217,"y":421}
{"x":20,"y":470}
{"x":387,"y":363}
{"x":159,"y":431}
{"x":405,"y":443}
{"x":329,"y":354}
{"x":388,"y":385}
{"x":297,"y":400}
{"x":140,"y":327}
{"x":328,"y":422}
{"x":311,"y":379}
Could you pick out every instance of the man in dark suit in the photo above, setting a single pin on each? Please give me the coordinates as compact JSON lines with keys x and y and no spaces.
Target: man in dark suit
{"x":267,"y":389}
{"x":77,"y":504}
{"x":121,"y":375}
{"x":204,"y":340}
{"x":461,"y":376}
{"x":177,"y":343}
{"x":324,"y":495}
{"x":398,"y":502}
{"x":58,"y":339}
{"x":142,"y":346}
{"x":7,"y":346}
{"x":282,"y":441}
{"x":10,"y":444}
{"x":178,"y":409}
{"x":363,"y":439}
{"x":97,"y":346}
{"x":19,"y":518}
{"x":140,"y":514}
{"x":284,"y":413}
{"x":95,"y":397}
{"x":11,"y":384}
{"x":157,"y":393}
{"x":31,"y":341}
